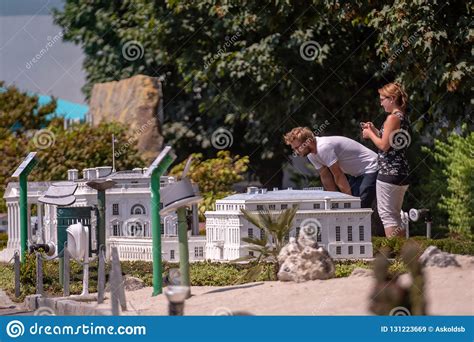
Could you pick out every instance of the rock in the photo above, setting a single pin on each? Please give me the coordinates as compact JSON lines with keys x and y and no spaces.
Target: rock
{"x":303,"y":260}
{"x":465,"y":261}
{"x":130,"y":284}
{"x":432,"y":256}
{"x":362,"y":272}
{"x":134,"y":102}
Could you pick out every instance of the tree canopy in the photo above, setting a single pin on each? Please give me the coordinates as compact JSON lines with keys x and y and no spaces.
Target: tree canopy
{"x":261,"y":68}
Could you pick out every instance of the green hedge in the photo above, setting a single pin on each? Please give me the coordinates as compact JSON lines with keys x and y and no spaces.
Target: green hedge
{"x":450,"y":245}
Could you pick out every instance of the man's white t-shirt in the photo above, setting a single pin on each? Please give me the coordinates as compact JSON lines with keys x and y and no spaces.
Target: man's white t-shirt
{"x":354,"y":159}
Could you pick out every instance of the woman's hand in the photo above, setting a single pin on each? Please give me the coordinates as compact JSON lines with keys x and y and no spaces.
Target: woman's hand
{"x":366,"y":132}
{"x":369,"y":125}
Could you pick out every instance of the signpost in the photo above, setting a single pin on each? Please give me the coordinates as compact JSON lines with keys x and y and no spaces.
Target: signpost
{"x":22,"y":173}
{"x":101,"y":186}
{"x":155,"y":171}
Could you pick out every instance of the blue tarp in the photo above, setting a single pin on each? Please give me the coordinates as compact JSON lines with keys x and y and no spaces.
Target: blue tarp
{"x":65,"y":109}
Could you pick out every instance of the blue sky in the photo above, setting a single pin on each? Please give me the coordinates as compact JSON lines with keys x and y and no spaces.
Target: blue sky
{"x":26,"y":29}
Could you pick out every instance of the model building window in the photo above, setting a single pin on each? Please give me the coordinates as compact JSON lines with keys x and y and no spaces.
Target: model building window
{"x":251,"y":253}
{"x":272,"y":207}
{"x":349,"y":233}
{"x":262,"y":234}
{"x":116,"y":229}
{"x":350,"y":250}
{"x":362,"y":249}
{"x":259,"y":207}
{"x":250,"y":233}
{"x":318,"y":235}
{"x":287,"y":237}
{"x":334,"y":205}
{"x":338,"y":233}
{"x":338,"y":249}
{"x":316,"y":206}
{"x":295,"y":205}
{"x":297,"y":232}
{"x":172,"y":254}
{"x":115,"y":209}
{"x":361,"y":233}
{"x":347,"y":205}
{"x":284,"y":206}
{"x":138,"y":209}
{"x":198,"y":252}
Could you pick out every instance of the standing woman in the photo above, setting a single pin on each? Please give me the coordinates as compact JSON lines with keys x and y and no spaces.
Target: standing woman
{"x":392,"y":140}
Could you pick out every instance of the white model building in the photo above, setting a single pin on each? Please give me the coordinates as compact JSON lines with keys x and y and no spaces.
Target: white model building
{"x":345,"y":227}
{"x":128,"y":220}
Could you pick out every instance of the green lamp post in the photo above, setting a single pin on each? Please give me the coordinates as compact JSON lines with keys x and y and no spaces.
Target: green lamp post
{"x":155,"y":171}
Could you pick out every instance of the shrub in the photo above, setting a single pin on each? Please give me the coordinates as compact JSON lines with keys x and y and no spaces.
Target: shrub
{"x":215,"y":176}
{"x":457,"y":166}
{"x":3,"y":240}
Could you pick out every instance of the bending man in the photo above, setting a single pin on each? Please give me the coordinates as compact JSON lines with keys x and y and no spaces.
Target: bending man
{"x":335,"y":157}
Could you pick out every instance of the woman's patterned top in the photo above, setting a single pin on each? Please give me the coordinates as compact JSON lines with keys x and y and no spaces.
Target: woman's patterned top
{"x":394,"y":162}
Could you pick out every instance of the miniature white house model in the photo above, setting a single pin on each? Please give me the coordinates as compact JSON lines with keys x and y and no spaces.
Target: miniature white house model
{"x":344,"y":227}
{"x":128,"y":223}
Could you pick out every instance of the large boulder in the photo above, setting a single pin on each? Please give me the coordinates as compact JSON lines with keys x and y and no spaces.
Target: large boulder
{"x":432,"y":256}
{"x":134,"y":102}
{"x":304,"y":260}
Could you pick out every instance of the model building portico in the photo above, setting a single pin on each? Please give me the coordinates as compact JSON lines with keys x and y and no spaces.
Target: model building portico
{"x":344,"y":228}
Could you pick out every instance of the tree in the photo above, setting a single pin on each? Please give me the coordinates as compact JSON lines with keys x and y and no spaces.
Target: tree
{"x":243,"y":66}
{"x":457,"y":167}
{"x":215,"y":176}
{"x":20,"y":112}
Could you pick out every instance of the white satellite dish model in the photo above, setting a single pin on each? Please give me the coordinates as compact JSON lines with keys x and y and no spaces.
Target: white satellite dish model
{"x":78,"y":248}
